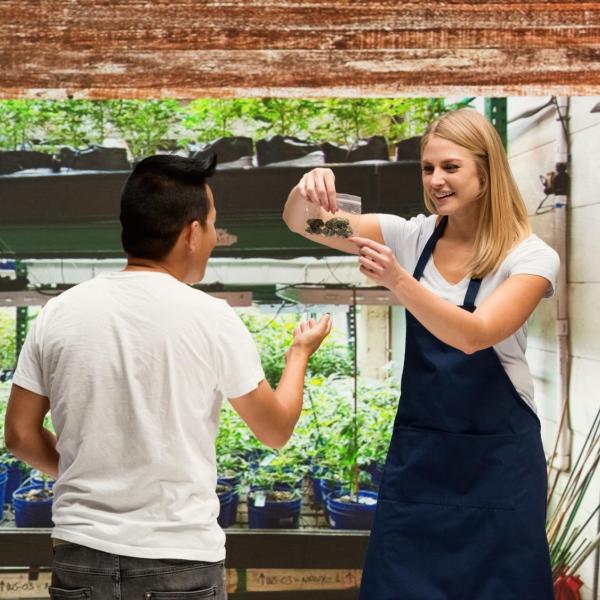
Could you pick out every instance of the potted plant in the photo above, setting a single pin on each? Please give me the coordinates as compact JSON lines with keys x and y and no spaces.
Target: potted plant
{"x":350,"y":445}
{"x":351,"y":506}
{"x":228,"y":510}
{"x":232,"y":443}
{"x":33,"y":505}
{"x":275,"y":494}
{"x":16,"y":472}
{"x":3,"y":480}
{"x":381,"y":401}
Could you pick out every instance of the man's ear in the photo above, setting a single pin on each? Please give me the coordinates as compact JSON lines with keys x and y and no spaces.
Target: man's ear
{"x":193,"y":231}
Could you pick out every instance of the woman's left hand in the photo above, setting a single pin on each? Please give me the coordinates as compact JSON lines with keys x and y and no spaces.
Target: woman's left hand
{"x":378,"y":262}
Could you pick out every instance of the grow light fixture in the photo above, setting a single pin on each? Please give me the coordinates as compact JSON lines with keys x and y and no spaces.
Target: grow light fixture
{"x":345,"y":295}
{"x":24,"y":298}
{"x":234,"y":298}
{"x":39,"y":298}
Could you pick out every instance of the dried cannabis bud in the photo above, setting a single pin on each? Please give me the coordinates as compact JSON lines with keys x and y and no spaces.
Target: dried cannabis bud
{"x":336,"y":227}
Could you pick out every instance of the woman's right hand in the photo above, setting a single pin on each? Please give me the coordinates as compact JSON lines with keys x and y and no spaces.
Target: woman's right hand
{"x":318,"y":187}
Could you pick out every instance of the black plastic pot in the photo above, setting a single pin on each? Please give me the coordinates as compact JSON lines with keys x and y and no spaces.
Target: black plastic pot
{"x":373,"y":148}
{"x":12,"y":161}
{"x":282,"y":148}
{"x":94,"y":158}
{"x":227,"y":149}
{"x":409,"y":149}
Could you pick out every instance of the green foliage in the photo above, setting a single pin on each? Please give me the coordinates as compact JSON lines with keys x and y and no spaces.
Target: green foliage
{"x":566,"y":528}
{"x":149,"y":126}
{"x":4,"y":392}
{"x":328,"y":433}
{"x":7,"y":338}
{"x":350,"y":120}
{"x":68,"y":122}
{"x":21,"y":122}
{"x":146,"y":125}
{"x":80,"y":123}
{"x":274,"y":336}
{"x":44,"y":125}
{"x":286,"y":466}
{"x":281,"y":116}
{"x":341,"y":440}
{"x":208,"y":119}
{"x":234,"y":442}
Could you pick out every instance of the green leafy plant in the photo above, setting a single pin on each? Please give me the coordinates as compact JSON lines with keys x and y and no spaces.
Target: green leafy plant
{"x":337,"y":453}
{"x":282,"y":116}
{"x":207,"y":119}
{"x":274,"y":336}
{"x":146,"y":125}
{"x":349,"y":120}
{"x":233,"y":444}
{"x":149,"y":126}
{"x":69,"y":123}
{"x":22,"y":122}
{"x":285,"y":467}
{"x":569,"y":546}
{"x":7,"y":339}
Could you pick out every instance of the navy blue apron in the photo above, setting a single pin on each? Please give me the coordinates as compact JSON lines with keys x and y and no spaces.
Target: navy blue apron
{"x":462,"y":505}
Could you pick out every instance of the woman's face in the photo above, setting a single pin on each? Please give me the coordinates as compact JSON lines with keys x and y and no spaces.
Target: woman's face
{"x":450,"y":177}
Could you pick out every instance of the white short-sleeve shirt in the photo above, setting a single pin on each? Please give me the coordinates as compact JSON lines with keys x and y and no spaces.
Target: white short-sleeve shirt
{"x":407,"y":238}
{"x":135,"y":365}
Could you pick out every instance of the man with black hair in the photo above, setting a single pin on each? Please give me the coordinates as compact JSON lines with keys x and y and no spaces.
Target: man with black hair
{"x":133,"y":366}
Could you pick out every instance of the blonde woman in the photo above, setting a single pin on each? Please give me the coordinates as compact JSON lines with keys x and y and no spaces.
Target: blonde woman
{"x":461,"y":509}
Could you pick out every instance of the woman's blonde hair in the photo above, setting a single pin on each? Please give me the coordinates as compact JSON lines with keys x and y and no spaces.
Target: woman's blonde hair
{"x":503,"y":216}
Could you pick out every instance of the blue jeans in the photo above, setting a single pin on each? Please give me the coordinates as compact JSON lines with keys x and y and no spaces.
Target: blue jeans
{"x":81,"y":573}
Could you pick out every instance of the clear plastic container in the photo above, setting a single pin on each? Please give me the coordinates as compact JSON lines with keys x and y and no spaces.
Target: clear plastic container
{"x":344,"y":223}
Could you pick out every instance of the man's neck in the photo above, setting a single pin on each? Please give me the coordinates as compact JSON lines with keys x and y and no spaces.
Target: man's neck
{"x":142,"y":264}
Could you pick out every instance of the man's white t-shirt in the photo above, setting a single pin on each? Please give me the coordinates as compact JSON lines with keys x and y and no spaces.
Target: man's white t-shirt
{"x":135,"y":365}
{"x":407,"y":238}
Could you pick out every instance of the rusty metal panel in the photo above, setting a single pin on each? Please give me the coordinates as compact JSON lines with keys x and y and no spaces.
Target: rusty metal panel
{"x":221,"y":48}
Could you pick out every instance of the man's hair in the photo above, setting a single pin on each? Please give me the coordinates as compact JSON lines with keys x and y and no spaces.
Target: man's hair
{"x":162,"y":195}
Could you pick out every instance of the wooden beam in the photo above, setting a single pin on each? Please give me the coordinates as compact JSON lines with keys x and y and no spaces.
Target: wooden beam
{"x":224,"y":48}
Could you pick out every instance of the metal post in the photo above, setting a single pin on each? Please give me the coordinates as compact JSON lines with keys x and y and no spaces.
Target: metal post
{"x":495,"y":111}
{"x":22,"y":322}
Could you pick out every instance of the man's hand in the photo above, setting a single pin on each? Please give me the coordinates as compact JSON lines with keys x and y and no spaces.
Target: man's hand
{"x":309,"y":335}
{"x":272,"y":416}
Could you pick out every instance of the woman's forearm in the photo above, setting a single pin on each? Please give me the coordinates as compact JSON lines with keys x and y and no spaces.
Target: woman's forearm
{"x":449,"y":323}
{"x":293,"y":211}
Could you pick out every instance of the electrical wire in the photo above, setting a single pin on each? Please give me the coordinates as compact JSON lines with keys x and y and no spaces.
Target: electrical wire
{"x":541,"y":209}
{"x":554,"y":101}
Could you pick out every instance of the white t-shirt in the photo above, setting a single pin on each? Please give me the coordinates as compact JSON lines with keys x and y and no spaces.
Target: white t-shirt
{"x":135,"y":365}
{"x":407,"y":238}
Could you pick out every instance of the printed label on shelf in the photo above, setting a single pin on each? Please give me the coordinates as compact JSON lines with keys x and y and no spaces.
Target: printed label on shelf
{"x":276,"y":580}
{"x":18,"y":585}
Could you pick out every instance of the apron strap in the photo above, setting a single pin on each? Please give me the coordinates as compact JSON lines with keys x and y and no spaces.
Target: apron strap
{"x":472,"y":291}
{"x":431,"y":242}
{"x":474,"y":284}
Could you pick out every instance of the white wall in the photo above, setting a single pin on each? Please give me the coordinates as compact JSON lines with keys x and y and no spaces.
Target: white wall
{"x":532,"y":152}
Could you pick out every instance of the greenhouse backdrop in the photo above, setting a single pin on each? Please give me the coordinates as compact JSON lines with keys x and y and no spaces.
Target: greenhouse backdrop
{"x":353,"y":381}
